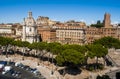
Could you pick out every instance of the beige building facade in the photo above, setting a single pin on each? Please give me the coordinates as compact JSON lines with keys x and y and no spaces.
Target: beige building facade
{"x":70,"y":35}
{"x":7,"y":30}
{"x":93,"y":33}
{"x":70,"y":32}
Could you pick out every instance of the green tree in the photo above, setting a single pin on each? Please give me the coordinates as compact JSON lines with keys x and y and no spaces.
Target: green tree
{"x":39,"y":47}
{"x":53,"y":48}
{"x":34,"y":45}
{"x":79,"y":48}
{"x":57,"y":49}
{"x":108,"y":42}
{"x":70,"y":56}
{"x":15,"y":43}
{"x":5,"y":41}
{"x":24,"y":45}
{"x":42,"y":47}
{"x":97,"y":51}
{"x":98,"y":24}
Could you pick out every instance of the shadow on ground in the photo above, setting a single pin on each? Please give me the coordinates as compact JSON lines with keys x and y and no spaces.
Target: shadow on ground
{"x":70,"y":70}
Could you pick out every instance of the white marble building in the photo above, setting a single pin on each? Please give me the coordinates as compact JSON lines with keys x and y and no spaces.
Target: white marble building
{"x":30,"y":29}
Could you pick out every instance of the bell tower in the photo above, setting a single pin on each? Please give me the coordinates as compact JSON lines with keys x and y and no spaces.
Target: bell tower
{"x":29,"y":14}
{"x":107,"y":21}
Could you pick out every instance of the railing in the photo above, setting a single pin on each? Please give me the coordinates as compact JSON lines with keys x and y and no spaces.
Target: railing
{"x":110,"y":59}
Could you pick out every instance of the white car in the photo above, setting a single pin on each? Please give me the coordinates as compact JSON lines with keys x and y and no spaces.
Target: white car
{"x":7,"y":68}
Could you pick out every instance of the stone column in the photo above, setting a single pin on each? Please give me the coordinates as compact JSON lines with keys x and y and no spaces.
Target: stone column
{"x":24,"y":34}
{"x":24,"y":31}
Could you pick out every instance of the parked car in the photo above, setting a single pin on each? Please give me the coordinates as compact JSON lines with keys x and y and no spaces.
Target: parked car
{"x":18,"y":64}
{"x":7,"y":68}
{"x":3,"y":62}
{"x":1,"y":67}
{"x":11,"y":63}
{"x":26,"y":67}
{"x":10,"y":51}
{"x":37,"y":73}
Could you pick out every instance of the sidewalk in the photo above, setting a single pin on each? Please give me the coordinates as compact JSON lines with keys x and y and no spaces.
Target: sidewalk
{"x":33,"y":62}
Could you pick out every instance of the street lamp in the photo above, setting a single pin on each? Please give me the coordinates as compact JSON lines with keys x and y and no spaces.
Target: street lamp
{"x":52,"y":66}
{"x":23,"y":56}
{"x":23,"y":53}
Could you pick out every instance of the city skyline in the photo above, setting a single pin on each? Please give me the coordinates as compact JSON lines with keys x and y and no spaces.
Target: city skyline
{"x":13,"y":11}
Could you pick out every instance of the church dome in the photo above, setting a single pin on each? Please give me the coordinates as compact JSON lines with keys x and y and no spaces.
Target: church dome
{"x":30,"y":20}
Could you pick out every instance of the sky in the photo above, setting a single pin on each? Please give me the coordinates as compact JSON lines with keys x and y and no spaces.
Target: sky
{"x":89,"y":11}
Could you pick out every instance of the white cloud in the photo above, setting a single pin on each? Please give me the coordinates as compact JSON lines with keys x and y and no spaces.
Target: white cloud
{"x":115,"y":22}
{"x":92,"y":22}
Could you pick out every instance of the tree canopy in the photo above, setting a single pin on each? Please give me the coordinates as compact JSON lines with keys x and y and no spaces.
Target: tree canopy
{"x":70,"y":56}
{"x":108,"y":42}
{"x":5,"y":41}
{"x":98,"y":24}
{"x":67,"y":54}
{"x":96,"y":51}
